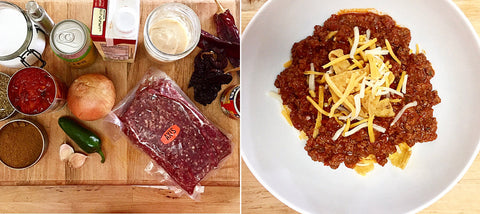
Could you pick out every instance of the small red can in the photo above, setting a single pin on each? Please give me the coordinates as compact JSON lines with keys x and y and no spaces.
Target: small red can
{"x":33,"y":91}
{"x":230,"y":102}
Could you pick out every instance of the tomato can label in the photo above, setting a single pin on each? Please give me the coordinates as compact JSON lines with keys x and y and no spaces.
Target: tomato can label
{"x":230,"y":102}
{"x":71,"y":42}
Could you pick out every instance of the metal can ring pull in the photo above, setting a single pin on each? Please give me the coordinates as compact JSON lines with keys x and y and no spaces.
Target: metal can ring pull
{"x":35,"y":53}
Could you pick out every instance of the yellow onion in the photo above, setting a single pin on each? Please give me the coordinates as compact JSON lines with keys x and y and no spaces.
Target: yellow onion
{"x":91,"y":97}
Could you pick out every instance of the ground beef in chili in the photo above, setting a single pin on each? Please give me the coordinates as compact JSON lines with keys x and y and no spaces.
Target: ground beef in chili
{"x":416,"y":125}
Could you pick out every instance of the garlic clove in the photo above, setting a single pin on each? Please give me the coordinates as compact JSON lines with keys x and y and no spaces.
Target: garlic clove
{"x":65,"y":151}
{"x":76,"y":160}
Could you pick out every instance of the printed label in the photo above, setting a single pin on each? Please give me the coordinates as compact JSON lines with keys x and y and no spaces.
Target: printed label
{"x":170,"y":134}
{"x":98,"y":19}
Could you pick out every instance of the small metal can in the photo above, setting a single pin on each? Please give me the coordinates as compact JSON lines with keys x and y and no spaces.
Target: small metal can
{"x":70,"y":40}
{"x":230,"y":102}
{"x":33,"y":91}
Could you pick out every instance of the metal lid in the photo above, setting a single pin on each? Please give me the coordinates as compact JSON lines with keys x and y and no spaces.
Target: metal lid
{"x":17,"y":31}
{"x":68,"y":37}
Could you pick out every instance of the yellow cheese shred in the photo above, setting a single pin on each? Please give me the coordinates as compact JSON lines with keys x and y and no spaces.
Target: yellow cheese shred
{"x":366,"y":45}
{"x":358,"y":123}
{"x":330,"y":35}
{"x":395,"y":100}
{"x":400,"y":82}
{"x":370,"y":129}
{"x":389,"y":48}
{"x":335,"y":61}
{"x":287,"y":64}
{"x":320,"y":109}
{"x":286,"y":114}
{"x":347,"y":126}
{"x":338,"y":92}
{"x":318,"y":121}
{"x":347,"y":92}
{"x":314,"y":72}
{"x":417,"y":49}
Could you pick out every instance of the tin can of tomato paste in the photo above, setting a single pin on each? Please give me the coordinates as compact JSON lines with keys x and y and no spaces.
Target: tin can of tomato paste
{"x":33,"y":91}
{"x":70,"y":40}
{"x":230,"y":102}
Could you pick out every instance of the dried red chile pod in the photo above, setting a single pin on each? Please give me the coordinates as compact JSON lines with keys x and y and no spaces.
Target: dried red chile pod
{"x":226,"y":28}
{"x":209,"y":41}
{"x":208,"y":76}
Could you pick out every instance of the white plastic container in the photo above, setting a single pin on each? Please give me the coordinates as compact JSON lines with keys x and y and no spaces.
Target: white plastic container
{"x":21,"y":43}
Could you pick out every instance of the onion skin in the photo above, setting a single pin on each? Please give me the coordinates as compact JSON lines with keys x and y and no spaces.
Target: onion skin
{"x":91,"y":97}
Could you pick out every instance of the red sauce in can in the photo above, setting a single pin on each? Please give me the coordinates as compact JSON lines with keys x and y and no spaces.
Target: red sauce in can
{"x":33,"y":90}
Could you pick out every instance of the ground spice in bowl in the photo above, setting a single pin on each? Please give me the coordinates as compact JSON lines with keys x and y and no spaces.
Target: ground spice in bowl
{"x":6,"y":109}
{"x":21,"y":144}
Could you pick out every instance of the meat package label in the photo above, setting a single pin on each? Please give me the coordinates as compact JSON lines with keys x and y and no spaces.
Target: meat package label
{"x":170,"y":134}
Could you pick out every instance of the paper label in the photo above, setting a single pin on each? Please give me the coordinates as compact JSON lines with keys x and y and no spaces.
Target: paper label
{"x":170,"y":134}
{"x":98,"y":19}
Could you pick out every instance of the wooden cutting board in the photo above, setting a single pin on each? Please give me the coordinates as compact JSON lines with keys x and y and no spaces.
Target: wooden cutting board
{"x":124,"y":163}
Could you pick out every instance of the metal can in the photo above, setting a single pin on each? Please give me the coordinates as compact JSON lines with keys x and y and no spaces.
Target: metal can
{"x":230,"y":102}
{"x":33,"y":91}
{"x":70,"y":40}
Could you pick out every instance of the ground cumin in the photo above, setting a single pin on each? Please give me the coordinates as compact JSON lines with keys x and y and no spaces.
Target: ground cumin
{"x":20,"y":144}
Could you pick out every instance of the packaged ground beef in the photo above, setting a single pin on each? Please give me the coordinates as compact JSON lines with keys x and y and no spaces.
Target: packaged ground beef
{"x":162,"y":121}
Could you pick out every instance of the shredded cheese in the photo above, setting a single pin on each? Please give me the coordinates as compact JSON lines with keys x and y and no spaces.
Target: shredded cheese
{"x":347,"y":126}
{"x":330,"y":35}
{"x":335,"y":61}
{"x":400,"y":113}
{"x":356,"y":39}
{"x":338,"y":133}
{"x":370,"y":129}
{"x":400,"y":82}
{"x":318,"y":121}
{"x":320,"y":109}
{"x":287,"y":64}
{"x":313,"y":72}
{"x":389,"y":48}
{"x":347,"y":92}
{"x":404,"y":85}
{"x":286,"y":114}
{"x":417,"y":49}
{"x":336,"y":91}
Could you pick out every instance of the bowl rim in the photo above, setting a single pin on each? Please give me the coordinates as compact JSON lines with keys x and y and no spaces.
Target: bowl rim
{"x":42,"y":134}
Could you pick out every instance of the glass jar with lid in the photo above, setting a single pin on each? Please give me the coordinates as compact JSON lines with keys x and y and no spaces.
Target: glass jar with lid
{"x":21,"y":41}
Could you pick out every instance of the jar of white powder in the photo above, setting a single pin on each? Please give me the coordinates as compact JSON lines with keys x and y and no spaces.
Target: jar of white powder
{"x":22,"y":44}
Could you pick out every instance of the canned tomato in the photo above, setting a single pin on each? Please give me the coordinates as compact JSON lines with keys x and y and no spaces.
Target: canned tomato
{"x":70,"y":40}
{"x":33,"y":91}
{"x":230,"y":101}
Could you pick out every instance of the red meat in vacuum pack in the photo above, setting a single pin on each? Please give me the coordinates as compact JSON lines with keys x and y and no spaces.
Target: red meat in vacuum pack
{"x":172,"y":131}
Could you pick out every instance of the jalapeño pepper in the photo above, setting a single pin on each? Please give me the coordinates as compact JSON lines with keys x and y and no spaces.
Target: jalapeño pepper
{"x":84,"y":138}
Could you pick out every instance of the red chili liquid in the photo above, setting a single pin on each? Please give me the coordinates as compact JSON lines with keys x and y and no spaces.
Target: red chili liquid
{"x":31,"y":90}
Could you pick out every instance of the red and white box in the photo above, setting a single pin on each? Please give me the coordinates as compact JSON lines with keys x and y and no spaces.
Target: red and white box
{"x":115,"y":27}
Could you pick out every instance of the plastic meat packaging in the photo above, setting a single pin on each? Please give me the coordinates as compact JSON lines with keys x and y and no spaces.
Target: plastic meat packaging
{"x":163,"y":122}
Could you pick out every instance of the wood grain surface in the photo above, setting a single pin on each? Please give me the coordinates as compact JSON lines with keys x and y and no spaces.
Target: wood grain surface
{"x":120,"y":184}
{"x":463,"y":198}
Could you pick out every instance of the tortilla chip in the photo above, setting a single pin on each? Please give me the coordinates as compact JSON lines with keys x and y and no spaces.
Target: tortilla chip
{"x":365,"y":165}
{"x":401,"y":157}
{"x":374,"y":106}
{"x":341,"y":66}
{"x":341,"y":80}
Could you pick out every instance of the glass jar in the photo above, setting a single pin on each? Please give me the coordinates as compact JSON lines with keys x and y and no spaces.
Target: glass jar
{"x":22,"y":44}
{"x":167,"y":27}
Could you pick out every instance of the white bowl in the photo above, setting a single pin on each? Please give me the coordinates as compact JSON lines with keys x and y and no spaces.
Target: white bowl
{"x":275,"y":155}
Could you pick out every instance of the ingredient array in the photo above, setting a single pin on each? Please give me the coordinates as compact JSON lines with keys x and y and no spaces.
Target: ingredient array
{"x":158,"y":117}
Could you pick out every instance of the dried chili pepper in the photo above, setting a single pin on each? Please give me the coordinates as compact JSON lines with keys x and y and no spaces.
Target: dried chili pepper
{"x":208,"y":75}
{"x":226,"y":29}
{"x":209,"y":41}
